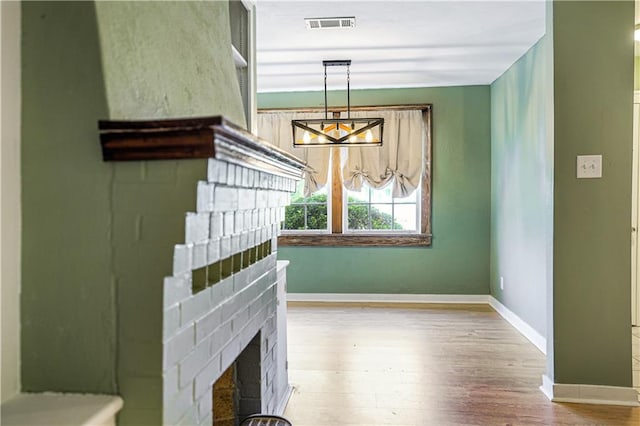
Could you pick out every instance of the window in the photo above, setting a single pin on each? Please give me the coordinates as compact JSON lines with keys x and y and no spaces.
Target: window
{"x":371,"y":210}
{"x":354,"y":203}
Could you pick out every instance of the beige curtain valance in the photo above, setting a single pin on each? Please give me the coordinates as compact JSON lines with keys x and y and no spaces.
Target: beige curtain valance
{"x":275,"y":127}
{"x":398,"y":161}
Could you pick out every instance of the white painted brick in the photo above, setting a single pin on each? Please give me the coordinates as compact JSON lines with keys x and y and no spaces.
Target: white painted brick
{"x":273,"y":199}
{"x":171,"y":322}
{"x":189,"y":418}
{"x":245,"y":177}
{"x":274,"y":242}
{"x":238,"y":180}
{"x":213,"y":251}
{"x":205,"y":408}
{"x":195,"y":307}
{"x":225,"y":247}
{"x":199,"y":255}
{"x":230,"y":352}
{"x":182,"y":258}
{"x":244,"y":241}
{"x":216,"y":228}
{"x":241,"y":280}
{"x":251,"y":239}
{"x":231,"y":174}
{"x":195,"y":361}
{"x":205,"y":379}
{"x":252,"y":178}
{"x":230,"y":307}
{"x":247,"y":220}
{"x":255,"y":218}
{"x":235,"y":244}
{"x":273,"y":215}
{"x":238,"y":222}
{"x":226,"y":286}
{"x":229,"y":223}
{"x":180,"y":345}
{"x":217,"y":171}
{"x":207,"y":324}
{"x":261,"y":213}
{"x":239,"y":321}
{"x":216,"y":295}
{"x":170,"y":384}
{"x":225,"y":198}
{"x":176,"y":289}
{"x":285,"y":199}
{"x":220,"y":337}
{"x":196,"y":227}
{"x":281,"y":214}
{"x":246,"y":199}
{"x":204,"y":200}
{"x":176,"y":408}
{"x":262,"y":199}
{"x":208,"y":419}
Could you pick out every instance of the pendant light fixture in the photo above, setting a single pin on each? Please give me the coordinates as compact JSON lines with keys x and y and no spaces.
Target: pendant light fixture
{"x":335,"y":131}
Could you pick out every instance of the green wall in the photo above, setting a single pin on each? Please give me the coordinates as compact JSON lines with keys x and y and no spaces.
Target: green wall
{"x":458,"y":260}
{"x":522,"y":186}
{"x":591,"y":244}
{"x":98,"y":237}
{"x":68,"y":294}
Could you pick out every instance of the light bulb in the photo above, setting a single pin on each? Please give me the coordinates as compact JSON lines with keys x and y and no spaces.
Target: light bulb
{"x":322,"y":139}
{"x":306,"y":137}
{"x":368,"y":136}
{"x":353,"y":138}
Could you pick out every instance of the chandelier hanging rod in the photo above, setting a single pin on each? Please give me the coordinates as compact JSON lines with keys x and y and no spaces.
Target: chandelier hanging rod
{"x":337,"y":63}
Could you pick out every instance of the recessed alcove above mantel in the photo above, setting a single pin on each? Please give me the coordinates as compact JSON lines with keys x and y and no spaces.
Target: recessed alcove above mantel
{"x":187,"y":138}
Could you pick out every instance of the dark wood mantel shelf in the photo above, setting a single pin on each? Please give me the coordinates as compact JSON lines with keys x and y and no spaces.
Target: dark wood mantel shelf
{"x":205,"y":137}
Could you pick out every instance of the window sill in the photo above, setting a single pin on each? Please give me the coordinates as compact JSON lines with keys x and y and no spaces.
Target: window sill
{"x":356,"y":240}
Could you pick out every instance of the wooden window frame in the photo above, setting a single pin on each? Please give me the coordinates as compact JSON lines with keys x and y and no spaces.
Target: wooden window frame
{"x":340,"y":239}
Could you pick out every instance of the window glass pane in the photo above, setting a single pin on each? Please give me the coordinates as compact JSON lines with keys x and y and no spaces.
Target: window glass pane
{"x":358,"y":217}
{"x":306,"y":213}
{"x":381,"y":195}
{"x":405,"y":217}
{"x":381,"y":216}
{"x":317,"y":216}
{"x":358,"y":196}
{"x":294,"y":217}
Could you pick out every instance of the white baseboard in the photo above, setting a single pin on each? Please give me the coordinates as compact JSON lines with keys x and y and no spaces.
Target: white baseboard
{"x":589,"y":394}
{"x":388,"y":298}
{"x":525,"y":329}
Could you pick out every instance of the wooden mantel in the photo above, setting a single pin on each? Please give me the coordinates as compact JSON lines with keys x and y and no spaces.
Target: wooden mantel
{"x":204,"y":137}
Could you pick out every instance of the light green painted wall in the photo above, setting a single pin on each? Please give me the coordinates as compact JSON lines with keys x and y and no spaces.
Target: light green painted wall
{"x":168,"y":59}
{"x":458,"y":260}
{"x":522,"y":186}
{"x":68,"y":294}
{"x":593,"y":115}
{"x":10,"y":223}
{"x":98,"y":237}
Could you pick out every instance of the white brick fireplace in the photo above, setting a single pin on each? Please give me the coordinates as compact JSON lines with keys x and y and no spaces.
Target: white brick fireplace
{"x":239,"y":210}
{"x":226,"y":291}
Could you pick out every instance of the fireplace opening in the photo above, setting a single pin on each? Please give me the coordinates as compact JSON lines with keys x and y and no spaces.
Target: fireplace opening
{"x":236,"y":393}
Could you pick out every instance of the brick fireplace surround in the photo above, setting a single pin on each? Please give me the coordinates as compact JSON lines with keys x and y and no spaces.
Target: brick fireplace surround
{"x":226,"y":288}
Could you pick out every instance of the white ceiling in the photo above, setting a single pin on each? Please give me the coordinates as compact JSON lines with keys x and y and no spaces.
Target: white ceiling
{"x":395,"y":43}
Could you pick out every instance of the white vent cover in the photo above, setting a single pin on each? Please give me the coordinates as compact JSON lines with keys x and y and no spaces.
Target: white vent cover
{"x":330,"y":23}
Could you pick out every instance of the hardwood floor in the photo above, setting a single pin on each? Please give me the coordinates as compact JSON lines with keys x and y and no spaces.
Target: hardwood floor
{"x":441,"y":365}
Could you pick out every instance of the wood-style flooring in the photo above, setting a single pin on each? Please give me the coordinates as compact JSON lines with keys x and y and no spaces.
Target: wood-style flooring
{"x":421,"y":365}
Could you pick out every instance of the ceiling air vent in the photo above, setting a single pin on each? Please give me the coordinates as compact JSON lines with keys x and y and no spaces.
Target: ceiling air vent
{"x":330,"y":23}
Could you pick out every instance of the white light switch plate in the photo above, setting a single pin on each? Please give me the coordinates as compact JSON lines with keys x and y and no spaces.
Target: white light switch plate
{"x":589,"y":166}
